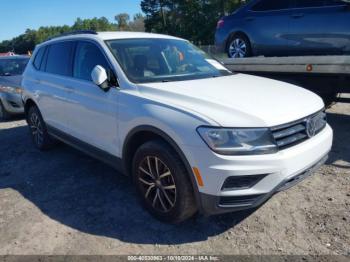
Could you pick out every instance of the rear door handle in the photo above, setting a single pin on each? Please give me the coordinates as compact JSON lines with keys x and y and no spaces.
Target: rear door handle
{"x":249,"y":18}
{"x":297,"y":15}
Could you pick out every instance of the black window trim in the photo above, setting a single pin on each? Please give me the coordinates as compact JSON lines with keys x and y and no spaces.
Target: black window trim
{"x":75,"y":43}
{"x":293,"y":7}
{"x":314,"y":7}
{"x":291,"y":3}
{"x":36,"y":56}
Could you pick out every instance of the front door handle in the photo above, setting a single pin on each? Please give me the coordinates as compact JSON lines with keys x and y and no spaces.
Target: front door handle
{"x":297,"y":15}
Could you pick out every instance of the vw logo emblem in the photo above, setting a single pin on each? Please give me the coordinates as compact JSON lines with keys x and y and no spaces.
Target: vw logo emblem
{"x":311,"y":127}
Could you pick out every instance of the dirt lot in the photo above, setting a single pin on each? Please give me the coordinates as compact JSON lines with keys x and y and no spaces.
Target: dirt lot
{"x":63,"y":202}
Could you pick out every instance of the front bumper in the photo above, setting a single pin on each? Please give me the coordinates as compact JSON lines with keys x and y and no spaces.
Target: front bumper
{"x":213,"y":204}
{"x":278,"y":172}
{"x":12,"y":103}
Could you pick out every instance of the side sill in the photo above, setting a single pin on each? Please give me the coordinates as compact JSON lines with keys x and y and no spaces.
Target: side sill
{"x":88,"y":149}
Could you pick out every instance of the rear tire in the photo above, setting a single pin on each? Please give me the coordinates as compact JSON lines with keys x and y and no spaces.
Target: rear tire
{"x":41,"y":138}
{"x":4,"y":115}
{"x":239,"y":47}
{"x":162,"y":182}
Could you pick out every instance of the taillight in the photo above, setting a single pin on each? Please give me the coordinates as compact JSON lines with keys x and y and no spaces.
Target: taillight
{"x":220,"y":24}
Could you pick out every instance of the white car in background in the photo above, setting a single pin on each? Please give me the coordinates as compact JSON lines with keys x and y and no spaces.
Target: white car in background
{"x":194,"y":136}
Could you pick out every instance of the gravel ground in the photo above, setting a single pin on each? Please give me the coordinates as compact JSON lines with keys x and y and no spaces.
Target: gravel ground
{"x":63,"y":202}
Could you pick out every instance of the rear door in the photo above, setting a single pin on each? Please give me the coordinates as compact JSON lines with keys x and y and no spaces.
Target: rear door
{"x":54,"y":71}
{"x":320,"y":27}
{"x":268,"y":22}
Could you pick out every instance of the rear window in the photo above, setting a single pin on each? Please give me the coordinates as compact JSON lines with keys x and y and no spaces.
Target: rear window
{"x":12,"y":66}
{"x":270,"y":5}
{"x":59,"y":59}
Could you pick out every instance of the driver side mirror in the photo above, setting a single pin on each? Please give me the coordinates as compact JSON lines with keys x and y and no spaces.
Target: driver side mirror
{"x":100,"y":77}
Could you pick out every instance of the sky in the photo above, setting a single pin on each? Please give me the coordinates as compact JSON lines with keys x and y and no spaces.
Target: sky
{"x":18,"y":15}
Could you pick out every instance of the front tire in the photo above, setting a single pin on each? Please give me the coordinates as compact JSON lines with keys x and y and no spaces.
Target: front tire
{"x":41,"y":138}
{"x":162,"y":182}
{"x":239,"y":47}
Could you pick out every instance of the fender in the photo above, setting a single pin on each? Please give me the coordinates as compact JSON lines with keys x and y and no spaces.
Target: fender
{"x":172,"y":143}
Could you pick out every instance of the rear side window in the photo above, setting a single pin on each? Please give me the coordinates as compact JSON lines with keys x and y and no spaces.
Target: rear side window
{"x":87,"y":56}
{"x":270,"y":5}
{"x":309,"y":3}
{"x":59,"y":60}
{"x":334,"y":3}
{"x":39,"y":58}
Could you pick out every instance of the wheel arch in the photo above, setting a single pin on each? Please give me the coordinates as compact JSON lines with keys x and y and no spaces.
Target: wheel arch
{"x":140,"y":135}
{"x":27,"y":104}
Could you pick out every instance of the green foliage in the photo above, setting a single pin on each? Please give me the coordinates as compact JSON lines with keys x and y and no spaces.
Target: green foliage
{"x":27,"y":41}
{"x":194,"y":20}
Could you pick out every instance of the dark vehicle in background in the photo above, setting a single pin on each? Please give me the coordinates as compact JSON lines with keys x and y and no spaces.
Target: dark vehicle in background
{"x":11,"y":70}
{"x":286,"y":28}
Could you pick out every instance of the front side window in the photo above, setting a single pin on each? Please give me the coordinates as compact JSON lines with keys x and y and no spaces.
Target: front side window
{"x":59,"y":58}
{"x":271,"y":5}
{"x":163,"y":60}
{"x":12,"y":66}
{"x":87,"y":56}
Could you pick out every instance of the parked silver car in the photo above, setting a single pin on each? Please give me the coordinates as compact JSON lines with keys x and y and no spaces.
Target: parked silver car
{"x":11,"y":69}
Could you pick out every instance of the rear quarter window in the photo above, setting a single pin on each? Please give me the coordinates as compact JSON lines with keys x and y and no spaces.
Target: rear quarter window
{"x":39,"y":58}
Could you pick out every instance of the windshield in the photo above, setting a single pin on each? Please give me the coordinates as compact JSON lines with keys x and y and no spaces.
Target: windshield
{"x":9,"y":67}
{"x":163,"y":60}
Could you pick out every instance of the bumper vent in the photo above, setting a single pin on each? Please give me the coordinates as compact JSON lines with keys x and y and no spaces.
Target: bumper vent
{"x":15,"y":105}
{"x":294,"y":133}
{"x":241,"y":182}
{"x":239,"y":201}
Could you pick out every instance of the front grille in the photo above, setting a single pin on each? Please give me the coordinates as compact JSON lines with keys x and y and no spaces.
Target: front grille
{"x":294,"y":133}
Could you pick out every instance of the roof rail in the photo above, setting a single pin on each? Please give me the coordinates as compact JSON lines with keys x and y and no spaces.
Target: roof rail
{"x":77,"y":32}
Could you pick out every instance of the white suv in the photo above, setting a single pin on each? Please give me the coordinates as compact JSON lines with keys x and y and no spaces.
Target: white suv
{"x":194,"y":136}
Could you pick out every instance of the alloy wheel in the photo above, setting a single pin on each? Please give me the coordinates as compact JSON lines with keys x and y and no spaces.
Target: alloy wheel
{"x":238,"y":48}
{"x":157,"y":184}
{"x":36,"y":128}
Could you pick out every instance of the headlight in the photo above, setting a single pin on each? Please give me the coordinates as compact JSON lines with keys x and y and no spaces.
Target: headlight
{"x":10,"y":89}
{"x":238,"y":141}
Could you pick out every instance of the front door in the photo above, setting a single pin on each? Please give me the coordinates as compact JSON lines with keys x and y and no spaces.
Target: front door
{"x":93,"y":112}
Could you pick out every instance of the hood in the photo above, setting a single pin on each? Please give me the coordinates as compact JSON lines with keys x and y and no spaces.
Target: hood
{"x":13,"y":81}
{"x":238,"y":100}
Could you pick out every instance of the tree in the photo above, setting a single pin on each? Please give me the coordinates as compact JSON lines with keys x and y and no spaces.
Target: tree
{"x":122,"y":21}
{"x":27,"y":41}
{"x":191,"y":19}
{"x":138,"y":24}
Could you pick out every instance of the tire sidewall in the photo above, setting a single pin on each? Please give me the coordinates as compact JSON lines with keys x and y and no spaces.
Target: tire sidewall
{"x":246,"y":41}
{"x":46,"y":140}
{"x":166,"y":155}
